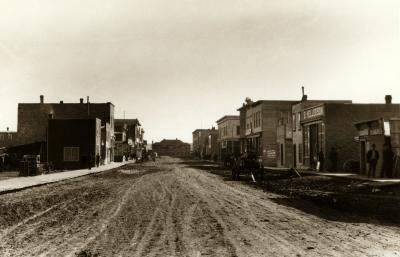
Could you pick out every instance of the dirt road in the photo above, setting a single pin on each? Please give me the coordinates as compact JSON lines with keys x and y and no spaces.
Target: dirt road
{"x":169,"y":208}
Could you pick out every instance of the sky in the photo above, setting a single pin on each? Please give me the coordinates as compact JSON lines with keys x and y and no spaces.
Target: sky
{"x":179,"y":65}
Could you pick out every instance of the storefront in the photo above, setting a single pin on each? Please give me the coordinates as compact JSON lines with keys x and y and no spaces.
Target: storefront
{"x":312,"y":121}
{"x":379,"y":132}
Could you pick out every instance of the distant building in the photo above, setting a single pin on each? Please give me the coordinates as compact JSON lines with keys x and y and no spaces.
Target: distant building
{"x":129,"y":138}
{"x":211,"y":145}
{"x":73,"y":143}
{"x":172,"y":147}
{"x":258,"y":128}
{"x":205,"y":145}
{"x":199,"y":139}
{"x":8,"y":138}
{"x":228,"y":136}
{"x":33,"y":119}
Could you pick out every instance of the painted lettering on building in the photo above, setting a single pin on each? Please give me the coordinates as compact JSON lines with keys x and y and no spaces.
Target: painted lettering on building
{"x":313,"y":113}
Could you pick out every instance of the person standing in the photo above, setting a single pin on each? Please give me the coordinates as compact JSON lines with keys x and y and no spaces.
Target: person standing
{"x":321,"y":159}
{"x":387,"y":157}
{"x":372,"y":159}
{"x":333,"y":158}
{"x":97,"y":160}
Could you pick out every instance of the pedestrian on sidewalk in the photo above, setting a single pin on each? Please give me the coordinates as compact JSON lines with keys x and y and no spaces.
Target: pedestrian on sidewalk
{"x":333,"y":158}
{"x":97,"y":160}
{"x":372,"y":159}
{"x":321,"y":159}
{"x":387,"y":157}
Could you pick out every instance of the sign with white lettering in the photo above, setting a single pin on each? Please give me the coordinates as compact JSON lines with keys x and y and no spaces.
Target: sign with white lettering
{"x":376,"y":131}
{"x":363,"y":132}
{"x":271,"y":154}
{"x":313,"y":113}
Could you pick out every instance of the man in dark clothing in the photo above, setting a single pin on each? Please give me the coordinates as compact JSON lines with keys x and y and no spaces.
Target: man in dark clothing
{"x":97,"y":160}
{"x":333,"y":158}
{"x":372,"y":159}
{"x":387,"y":157}
{"x":321,"y":159}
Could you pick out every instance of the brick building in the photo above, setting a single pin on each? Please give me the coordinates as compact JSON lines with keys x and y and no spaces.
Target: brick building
{"x":73,"y":143}
{"x":172,"y":147}
{"x":294,"y":145}
{"x":33,"y":121}
{"x":205,"y":143}
{"x":330,"y":125}
{"x":228,"y":136}
{"x":258,"y":127}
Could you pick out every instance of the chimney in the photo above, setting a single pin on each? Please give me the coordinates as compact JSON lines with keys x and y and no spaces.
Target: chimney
{"x":41,"y":99}
{"x":81,"y":100}
{"x":61,"y":102}
{"x":388,"y":99}
{"x":8,"y":128}
{"x":304,"y":96}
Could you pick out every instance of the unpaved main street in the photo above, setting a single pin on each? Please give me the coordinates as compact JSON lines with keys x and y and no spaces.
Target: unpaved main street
{"x":170,"y":208}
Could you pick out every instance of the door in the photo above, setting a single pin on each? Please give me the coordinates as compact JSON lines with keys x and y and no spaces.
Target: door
{"x":294,"y":156}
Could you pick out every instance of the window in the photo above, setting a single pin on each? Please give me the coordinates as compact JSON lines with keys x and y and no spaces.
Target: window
{"x":294,"y":121}
{"x":71,"y":154}
{"x":298,"y":121}
{"x":237,"y":130}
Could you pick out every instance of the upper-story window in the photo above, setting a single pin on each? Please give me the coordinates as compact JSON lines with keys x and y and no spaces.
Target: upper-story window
{"x":237,"y":130}
{"x":298,"y":121}
{"x":294,"y":121}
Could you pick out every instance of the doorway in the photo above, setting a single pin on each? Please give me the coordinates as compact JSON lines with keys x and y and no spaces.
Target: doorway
{"x":294,"y":156}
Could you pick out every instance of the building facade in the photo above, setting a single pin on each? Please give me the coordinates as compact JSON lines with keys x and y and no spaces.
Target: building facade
{"x":198,"y":145}
{"x":211,"y":145}
{"x":297,"y":130}
{"x":73,"y":143}
{"x":130,"y":143}
{"x":331,"y":125}
{"x":228,"y":136}
{"x":33,"y":121}
{"x":379,"y":132}
{"x":174,"y":147}
{"x":258,"y":128}
{"x":8,"y":138}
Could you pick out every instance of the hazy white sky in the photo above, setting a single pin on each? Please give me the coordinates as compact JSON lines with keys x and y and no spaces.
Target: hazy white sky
{"x":178,"y":65}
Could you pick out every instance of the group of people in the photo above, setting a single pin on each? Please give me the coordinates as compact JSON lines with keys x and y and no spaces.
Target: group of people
{"x":372,"y":160}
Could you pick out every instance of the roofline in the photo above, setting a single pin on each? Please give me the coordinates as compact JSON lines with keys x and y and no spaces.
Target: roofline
{"x":265,"y":101}
{"x":226,"y":117}
{"x":67,"y":103}
{"x":323,"y":101}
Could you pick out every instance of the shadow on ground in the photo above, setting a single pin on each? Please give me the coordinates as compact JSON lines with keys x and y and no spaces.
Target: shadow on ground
{"x":326,"y":197}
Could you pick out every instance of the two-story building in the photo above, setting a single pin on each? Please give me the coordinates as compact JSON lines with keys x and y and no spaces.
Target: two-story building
{"x":33,"y":120}
{"x":129,"y":138}
{"x":228,"y":136}
{"x":172,"y":147}
{"x":258,"y":128}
